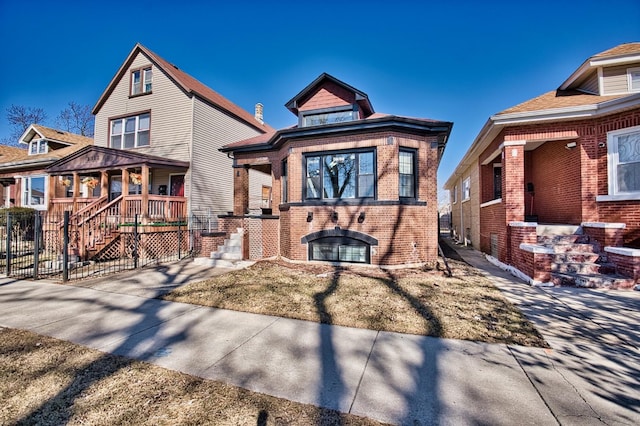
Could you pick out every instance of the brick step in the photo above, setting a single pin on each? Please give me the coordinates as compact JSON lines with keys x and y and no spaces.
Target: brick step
{"x":611,"y":281}
{"x":583,"y":267}
{"x":570,"y":248}
{"x":576,"y":257}
{"x":563,"y":239}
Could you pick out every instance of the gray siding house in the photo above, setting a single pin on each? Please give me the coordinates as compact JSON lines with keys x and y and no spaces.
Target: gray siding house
{"x":157,"y":134}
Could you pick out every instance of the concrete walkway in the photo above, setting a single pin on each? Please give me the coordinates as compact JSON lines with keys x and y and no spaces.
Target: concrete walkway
{"x":391,"y":377}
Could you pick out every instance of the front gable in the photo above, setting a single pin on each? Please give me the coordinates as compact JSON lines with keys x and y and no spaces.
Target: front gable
{"x":93,"y":158}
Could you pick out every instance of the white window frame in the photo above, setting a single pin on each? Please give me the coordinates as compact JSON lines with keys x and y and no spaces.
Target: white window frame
{"x":613,"y":163}
{"x":137,"y":131}
{"x":26,"y":192}
{"x":455,"y":194}
{"x":41,"y":147}
{"x":630,"y":72}
{"x":466,"y":189}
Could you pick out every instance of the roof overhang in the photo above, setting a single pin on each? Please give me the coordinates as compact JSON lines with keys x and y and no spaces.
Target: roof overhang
{"x":497,"y":122}
{"x":596,"y":62}
{"x":404,"y":124}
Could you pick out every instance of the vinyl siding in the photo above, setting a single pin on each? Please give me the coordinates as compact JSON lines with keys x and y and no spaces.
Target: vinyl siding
{"x":211,"y":170}
{"x":591,"y":84}
{"x":615,"y":80}
{"x":257,"y":180}
{"x":170,"y":114}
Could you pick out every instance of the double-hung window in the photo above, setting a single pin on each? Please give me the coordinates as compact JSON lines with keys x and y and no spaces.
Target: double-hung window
{"x":33,"y":192}
{"x":340,"y":175}
{"x":141,"y":81}
{"x":407,"y":171}
{"x":466,"y":189}
{"x":624,"y":161}
{"x":633,"y":75}
{"x":130,"y":132}
{"x":38,"y":146}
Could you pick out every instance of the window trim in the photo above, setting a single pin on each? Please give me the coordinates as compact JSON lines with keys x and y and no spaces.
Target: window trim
{"x":414,"y":155}
{"x":613,"y":162}
{"x":141,"y":70}
{"x":26,"y":192}
{"x":630,"y":71}
{"x":466,"y":182}
{"x":284,"y":179}
{"x":39,"y":144}
{"x":322,"y":154}
{"x":123,"y":118}
{"x":302,"y":115}
{"x":455,"y":194}
{"x":497,"y":195}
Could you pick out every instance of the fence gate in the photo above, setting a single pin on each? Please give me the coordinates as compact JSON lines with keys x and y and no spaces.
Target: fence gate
{"x":38,"y":245}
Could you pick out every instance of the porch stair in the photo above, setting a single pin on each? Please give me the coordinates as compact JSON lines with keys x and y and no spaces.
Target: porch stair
{"x":228,"y":255}
{"x":579,"y":262}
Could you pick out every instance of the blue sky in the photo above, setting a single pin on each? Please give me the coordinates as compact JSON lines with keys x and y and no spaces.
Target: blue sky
{"x":459,"y":61}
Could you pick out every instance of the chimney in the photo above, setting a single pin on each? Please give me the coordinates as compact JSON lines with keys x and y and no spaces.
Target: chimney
{"x":258,"y":113}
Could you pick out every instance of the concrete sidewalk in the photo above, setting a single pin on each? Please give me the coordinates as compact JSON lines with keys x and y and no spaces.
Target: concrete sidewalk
{"x":391,"y":377}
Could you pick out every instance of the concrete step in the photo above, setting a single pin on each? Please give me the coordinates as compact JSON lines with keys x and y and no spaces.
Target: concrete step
{"x":226,"y":256}
{"x":233,"y":242}
{"x":610,"y":281}
{"x":575,"y":257}
{"x":563,"y":239}
{"x":230,"y":249}
{"x":214,"y":263}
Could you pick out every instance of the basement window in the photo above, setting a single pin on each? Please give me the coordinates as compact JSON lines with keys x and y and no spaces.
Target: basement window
{"x":339,"y":249}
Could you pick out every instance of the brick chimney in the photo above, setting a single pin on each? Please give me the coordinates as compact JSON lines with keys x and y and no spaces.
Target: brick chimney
{"x":258,"y":114}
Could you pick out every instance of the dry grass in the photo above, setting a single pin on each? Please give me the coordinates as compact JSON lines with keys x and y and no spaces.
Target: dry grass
{"x":46,"y":381}
{"x":425,"y":302}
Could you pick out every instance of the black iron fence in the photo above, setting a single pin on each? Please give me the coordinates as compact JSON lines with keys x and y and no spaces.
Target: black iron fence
{"x":40,"y":245}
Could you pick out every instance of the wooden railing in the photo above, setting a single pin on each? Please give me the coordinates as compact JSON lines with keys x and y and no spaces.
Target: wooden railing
{"x":61,"y":205}
{"x":159,"y":207}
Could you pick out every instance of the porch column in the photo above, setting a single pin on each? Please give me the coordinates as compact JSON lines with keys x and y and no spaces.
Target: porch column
{"x":104,"y":184}
{"x":52,"y":189}
{"x":513,"y":180}
{"x":240,"y":190}
{"x":76,"y":190}
{"x":145,"y":191}
{"x":512,"y":187}
{"x":125,"y":182}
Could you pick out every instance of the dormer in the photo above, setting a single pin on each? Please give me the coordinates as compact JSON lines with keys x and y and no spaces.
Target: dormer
{"x":42,"y":140}
{"x":328,"y":101}
{"x":613,"y":72}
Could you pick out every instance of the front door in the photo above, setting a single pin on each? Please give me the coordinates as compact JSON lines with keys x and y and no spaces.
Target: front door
{"x":176,"y":185}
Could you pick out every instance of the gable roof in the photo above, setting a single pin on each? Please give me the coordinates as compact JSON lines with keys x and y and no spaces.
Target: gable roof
{"x":188,"y":84}
{"x":361,"y":98}
{"x":100,"y":158}
{"x":41,"y":132}
{"x":619,"y":55}
{"x":18,"y":159}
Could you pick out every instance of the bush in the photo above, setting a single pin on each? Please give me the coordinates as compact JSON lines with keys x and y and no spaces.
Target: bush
{"x":22,"y":220}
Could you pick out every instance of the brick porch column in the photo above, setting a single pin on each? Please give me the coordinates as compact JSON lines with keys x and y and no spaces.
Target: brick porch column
{"x":513,"y":180}
{"x":240,"y":190}
{"x":512,"y":187}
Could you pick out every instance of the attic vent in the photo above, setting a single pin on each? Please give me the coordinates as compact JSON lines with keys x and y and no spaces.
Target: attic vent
{"x":175,"y":66}
{"x":59,"y":132}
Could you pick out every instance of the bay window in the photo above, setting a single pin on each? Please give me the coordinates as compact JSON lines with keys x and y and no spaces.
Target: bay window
{"x":340,"y":175}
{"x":130,"y":132}
{"x":407,"y":171}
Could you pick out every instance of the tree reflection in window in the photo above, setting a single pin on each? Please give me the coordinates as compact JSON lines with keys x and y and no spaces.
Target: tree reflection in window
{"x":340,"y":175}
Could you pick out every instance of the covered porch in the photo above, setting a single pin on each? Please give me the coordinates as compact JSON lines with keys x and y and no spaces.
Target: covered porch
{"x":127,"y":184}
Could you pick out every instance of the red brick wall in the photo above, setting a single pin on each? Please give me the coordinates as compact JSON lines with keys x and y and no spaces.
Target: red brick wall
{"x":211,"y":241}
{"x":401,"y":241}
{"x":627,"y":212}
{"x":628,"y":266}
{"x":555,"y":174}
{"x":493,"y":221}
{"x":328,"y":96}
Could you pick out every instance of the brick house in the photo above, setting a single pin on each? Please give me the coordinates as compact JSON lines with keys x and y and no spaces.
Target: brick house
{"x":565,"y":162}
{"x":349,"y":184}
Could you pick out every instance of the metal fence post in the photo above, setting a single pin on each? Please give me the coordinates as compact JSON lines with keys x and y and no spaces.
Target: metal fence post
{"x":37,"y":232}
{"x":135,"y":241}
{"x":65,"y":248}
{"x":179,"y":238}
{"x":8,"y":245}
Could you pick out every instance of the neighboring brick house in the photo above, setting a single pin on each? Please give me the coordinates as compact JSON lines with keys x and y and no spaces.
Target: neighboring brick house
{"x":568,"y":157}
{"x":23,"y":172}
{"x":349,"y":184}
